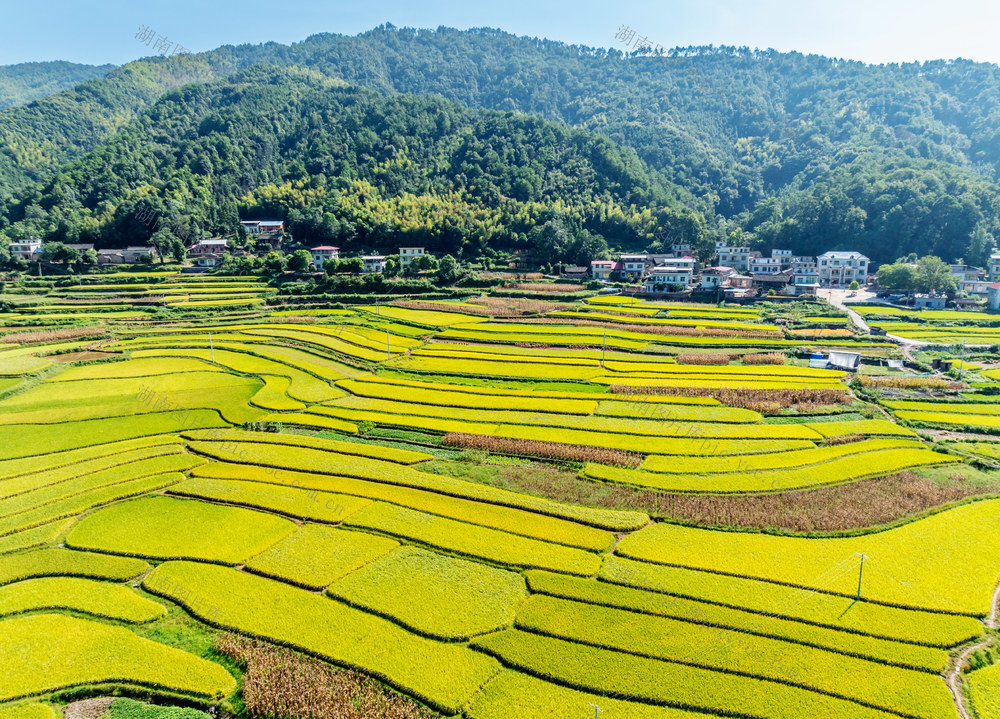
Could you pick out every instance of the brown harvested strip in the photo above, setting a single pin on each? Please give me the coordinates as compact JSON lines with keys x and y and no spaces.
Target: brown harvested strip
{"x":764,"y":358}
{"x":909,"y":382}
{"x":543,"y":287}
{"x":675,"y":330}
{"x":858,"y":505}
{"x":55,"y":335}
{"x":842,"y":439}
{"x":766,"y":401}
{"x":486,"y":306}
{"x":707,"y":358}
{"x":281,"y":683}
{"x":537,"y":448}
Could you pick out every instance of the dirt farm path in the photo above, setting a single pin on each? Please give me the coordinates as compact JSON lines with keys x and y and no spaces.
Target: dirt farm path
{"x":954,"y":673}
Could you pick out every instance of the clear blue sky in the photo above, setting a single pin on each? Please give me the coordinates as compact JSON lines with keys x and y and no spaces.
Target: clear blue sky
{"x":99,"y":31}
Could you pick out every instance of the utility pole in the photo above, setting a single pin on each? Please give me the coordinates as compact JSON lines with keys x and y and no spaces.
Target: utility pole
{"x":860,"y":571}
{"x":211,"y":346}
{"x":604,"y":344}
{"x":961,"y":360}
{"x":597,"y":710}
{"x":388,"y":352}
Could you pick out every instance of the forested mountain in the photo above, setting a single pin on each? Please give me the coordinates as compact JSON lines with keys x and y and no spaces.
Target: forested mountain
{"x":27,"y":81}
{"x":353,"y":167}
{"x":785,"y":150}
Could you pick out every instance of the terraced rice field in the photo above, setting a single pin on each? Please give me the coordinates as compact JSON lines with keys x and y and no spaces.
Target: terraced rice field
{"x":342,"y":487}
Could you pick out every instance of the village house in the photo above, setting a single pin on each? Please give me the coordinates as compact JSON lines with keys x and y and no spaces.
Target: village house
{"x":259,"y":227}
{"x":407,"y":254}
{"x":30,"y":249}
{"x":205,"y":247}
{"x":805,"y":280}
{"x":134,"y":254}
{"x":633,"y":267}
{"x":323,"y":253}
{"x":929,"y":301}
{"x":764,"y":265}
{"x":602,"y":269}
{"x":841,"y":268}
{"x":670,"y":276}
{"x":779,"y":282}
{"x":373,"y":263}
{"x":736,"y":257}
{"x":110,"y":257}
{"x":81,"y":247}
{"x":993,"y":297}
{"x":715,"y":277}
{"x":993,"y":268}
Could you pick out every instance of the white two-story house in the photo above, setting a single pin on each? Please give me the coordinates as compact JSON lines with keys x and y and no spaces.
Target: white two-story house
{"x":841,"y":268}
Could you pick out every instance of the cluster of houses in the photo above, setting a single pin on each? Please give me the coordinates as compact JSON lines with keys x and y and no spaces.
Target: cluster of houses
{"x":372,"y":263}
{"x":737,"y":271}
{"x":31,"y":250}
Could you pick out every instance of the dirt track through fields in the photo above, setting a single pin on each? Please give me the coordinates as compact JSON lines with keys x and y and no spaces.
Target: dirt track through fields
{"x":954,"y":674}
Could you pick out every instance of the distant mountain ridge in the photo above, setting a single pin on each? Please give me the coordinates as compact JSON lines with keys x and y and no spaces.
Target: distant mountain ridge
{"x":27,"y":81}
{"x":767,"y":149}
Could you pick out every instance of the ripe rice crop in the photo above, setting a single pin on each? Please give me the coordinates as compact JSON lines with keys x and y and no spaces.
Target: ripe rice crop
{"x":977,"y":421}
{"x":161,"y":528}
{"x":530,"y":393}
{"x":515,"y":521}
{"x":987,"y":408}
{"x":698,"y":322}
{"x":313,"y":556}
{"x":675,"y":412}
{"x":879,"y":382}
{"x":40,"y":488}
{"x":373,"y":451}
{"x":392,"y":475}
{"x":472,"y":540}
{"x":443,"y":396}
{"x":772,"y":358}
{"x":288,"y":501}
{"x":33,"y":472}
{"x":58,"y":652}
{"x":777,"y":460}
{"x":21,"y":441}
{"x":513,"y":694}
{"x":27,"y":711}
{"x":56,"y":561}
{"x":653,"y":681}
{"x":536,"y":448}
{"x":910,"y":565}
{"x":276,"y":612}
{"x":91,"y":499}
{"x":833,"y":471}
{"x":100,"y":599}
{"x":34,"y":537}
{"x":434,"y":595}
{"x":814,"y":609}
{"x":643,"y":602}
{"x":694,"y":445}
{"x":888,"y":687}
{"x":866,"y":427}
{"x":984,"y":689}
{"x":429,"y":318}
{"x":704,"y":358}
{"x":759,"y":400}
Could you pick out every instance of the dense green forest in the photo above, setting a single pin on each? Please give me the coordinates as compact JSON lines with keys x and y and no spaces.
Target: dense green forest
{"x":766,"y":148}
{"x":353,"y":167}
{"x":27,"y":81}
